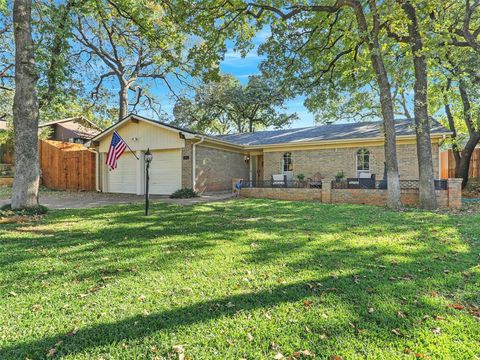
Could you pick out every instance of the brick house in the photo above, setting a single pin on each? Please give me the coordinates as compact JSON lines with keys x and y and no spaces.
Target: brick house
{"x":184,"y":158}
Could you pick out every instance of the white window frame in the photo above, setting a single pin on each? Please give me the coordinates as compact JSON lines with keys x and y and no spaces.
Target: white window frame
{"x":357,"y":171}
{"x":283,"y":162}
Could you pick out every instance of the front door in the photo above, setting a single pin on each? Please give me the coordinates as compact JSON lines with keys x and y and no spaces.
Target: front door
{"x":259,"y":168}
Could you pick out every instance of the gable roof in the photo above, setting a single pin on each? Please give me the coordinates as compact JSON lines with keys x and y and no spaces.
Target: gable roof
{"x":78,"y":119}
{"x":348,"y":131}
{"x":138,"y":117}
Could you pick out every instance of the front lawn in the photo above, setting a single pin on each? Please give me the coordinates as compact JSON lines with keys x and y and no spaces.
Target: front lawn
{"x":247,"y":279}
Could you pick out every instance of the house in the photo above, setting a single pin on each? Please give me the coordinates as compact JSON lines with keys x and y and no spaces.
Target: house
{"x":184,"y":158}
{"x":5,"y":156}
{"x":75,"y":130}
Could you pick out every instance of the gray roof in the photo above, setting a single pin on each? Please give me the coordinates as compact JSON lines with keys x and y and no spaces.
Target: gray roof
{"x":347,"y":131}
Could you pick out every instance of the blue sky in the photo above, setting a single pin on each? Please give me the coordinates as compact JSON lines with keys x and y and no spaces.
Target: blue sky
{"x":242,"y":68}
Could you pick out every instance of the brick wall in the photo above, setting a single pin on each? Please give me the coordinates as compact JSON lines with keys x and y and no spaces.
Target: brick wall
{"x":293,"y":194}
{"x":379,"y":197}
{"x":451,"y":198}
{"x":328,"y":162}
{"x":187,"y":175}
{"x":215,"y":168}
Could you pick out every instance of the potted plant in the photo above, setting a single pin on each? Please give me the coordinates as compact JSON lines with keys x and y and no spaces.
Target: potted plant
{"x":301,"y":179}
{"x":340,"y":176}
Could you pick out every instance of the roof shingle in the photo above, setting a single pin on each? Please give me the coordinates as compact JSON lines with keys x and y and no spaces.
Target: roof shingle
{"x":348,"y":131}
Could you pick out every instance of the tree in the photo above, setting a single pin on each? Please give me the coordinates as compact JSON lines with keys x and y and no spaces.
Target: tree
{"x":227,"y":106}
{"x":25,"y":111}
{"x":311,"y":41}
{"x":414,"y":38}
{"x":124,"y":52}
{"x":458,"y":63}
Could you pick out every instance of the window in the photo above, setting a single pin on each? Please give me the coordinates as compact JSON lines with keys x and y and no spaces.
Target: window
{"x":287,"y":162}
{"x":363,"y":162}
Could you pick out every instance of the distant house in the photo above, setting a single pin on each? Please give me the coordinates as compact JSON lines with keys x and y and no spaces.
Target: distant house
{"x":75,"y":130}
{"x":185,"y":158}
{"x":5,"y":157}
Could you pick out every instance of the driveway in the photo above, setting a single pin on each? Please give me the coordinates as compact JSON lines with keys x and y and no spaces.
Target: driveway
{"x":78,"y":200}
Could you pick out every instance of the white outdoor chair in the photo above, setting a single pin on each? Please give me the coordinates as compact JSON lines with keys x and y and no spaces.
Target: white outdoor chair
{"x":279,"y":180}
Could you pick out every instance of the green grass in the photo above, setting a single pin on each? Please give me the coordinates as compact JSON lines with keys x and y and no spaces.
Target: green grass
{"x":240,"y":279}
{"x":5,"y":192}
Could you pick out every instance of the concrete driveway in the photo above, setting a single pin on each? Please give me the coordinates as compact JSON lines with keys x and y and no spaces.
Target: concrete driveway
{"x":79,"y":200}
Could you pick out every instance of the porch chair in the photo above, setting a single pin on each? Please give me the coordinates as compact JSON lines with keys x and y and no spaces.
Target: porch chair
{"x":315,"y":181}
{"x":279,"y":180}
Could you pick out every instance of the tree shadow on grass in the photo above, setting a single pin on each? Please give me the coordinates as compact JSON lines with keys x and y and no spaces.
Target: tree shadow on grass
{"x":355,"y":277}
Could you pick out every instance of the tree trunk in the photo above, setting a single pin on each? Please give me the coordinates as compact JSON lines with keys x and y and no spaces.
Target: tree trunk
{"x":25,"y":111}
{"x":387,"y":107}
{"x":427,"y":197}
{"x":123,"y":102}
{"x":462,"y":167}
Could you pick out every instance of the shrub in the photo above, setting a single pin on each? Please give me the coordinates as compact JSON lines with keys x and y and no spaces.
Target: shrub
{"x":185,"y":193}
{"x":301,"y":177}
{"x":340,"y":175}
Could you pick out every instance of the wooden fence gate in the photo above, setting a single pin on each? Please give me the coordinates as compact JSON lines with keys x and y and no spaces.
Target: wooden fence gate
{"x":67,"y":166}
{"x":448,"y":165}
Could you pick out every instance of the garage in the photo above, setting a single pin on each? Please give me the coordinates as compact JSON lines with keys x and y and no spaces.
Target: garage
{"x":166,"y":172}
{"x":123,"y":178}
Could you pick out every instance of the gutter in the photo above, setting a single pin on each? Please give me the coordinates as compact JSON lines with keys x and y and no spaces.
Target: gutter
{"x":194,"y":161}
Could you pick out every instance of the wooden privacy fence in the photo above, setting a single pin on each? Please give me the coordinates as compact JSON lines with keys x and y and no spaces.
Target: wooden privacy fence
{"x":67,"y":166}
{"x":448,"y":165}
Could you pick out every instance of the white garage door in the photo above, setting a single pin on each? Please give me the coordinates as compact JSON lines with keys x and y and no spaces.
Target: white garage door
{"x":124,"y":178}
{"x":166,"y":172}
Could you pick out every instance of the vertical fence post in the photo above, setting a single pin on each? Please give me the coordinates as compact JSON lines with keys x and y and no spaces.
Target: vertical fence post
{"x":326,"y":191}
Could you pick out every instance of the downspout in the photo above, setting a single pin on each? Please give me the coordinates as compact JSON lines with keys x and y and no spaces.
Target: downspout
{"x":194,"y":161}
{"x":97,"y":161}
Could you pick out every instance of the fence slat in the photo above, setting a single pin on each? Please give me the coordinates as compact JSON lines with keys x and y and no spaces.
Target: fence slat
{"x":448,"y":162}
{"x":67,"y":166}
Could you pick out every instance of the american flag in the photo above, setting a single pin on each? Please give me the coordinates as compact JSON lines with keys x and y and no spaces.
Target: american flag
{"x":117,"y":147}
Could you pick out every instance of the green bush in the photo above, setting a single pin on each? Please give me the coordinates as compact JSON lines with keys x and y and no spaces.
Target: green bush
{"x":185,"y":193}
{"x":340,"y":175}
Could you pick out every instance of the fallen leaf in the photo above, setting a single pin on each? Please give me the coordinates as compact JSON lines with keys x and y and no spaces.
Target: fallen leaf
{"x":273,"y":345}
{"x":401,"y":314}
{"x":370,"y":310}
{"x":36,"y":307}
{"x":437,"y":330}
{"x":250,"y":337}
{"x":142,"y":297}
{"x":308,"y":304}
{"x":397,"y":332}
{"x":336,"y":357}
{"x":230,"y":304}
{"x":51,"y":352}
{"x":457,"y":306}
{"x":13,"y":293}
{"x":180,"y":351}
{"x":306,"y":353}
{"x":278,"y":356}
{"x":73,"y":332}
{"x":438,"y":317}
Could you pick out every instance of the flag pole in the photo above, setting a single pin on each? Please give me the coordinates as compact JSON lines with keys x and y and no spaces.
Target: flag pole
{"x":129,"y":148}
